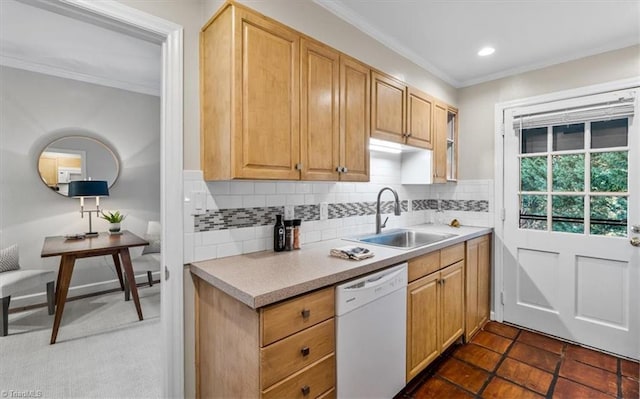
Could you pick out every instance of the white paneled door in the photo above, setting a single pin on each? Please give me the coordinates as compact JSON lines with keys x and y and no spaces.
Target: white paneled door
{"x":571,"y":188}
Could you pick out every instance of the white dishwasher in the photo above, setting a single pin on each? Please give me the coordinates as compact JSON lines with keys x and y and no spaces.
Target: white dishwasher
{"x":371,"y":325}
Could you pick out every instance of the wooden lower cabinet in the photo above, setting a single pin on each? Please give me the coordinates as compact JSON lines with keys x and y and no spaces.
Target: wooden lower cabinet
{"x":284,"y":350}
{"x":422,"y":323}
{"x":435,"y":315}
{"x":478,"y":284}
{"x":452,"y":305}
{"x":287,"y":350}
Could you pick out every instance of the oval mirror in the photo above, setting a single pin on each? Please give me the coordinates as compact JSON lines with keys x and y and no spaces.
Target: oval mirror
{"x":76,"y":158}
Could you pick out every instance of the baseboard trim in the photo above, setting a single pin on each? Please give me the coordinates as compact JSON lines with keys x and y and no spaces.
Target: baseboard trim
{"x":77,"y":292}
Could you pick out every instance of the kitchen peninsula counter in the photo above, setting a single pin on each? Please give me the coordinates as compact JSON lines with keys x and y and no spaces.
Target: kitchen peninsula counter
{"x":262,"y":278}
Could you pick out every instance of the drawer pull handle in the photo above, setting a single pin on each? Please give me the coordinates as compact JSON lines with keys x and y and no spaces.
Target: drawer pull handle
{"x":305,"y":351}
{"x":305,"y":390}
{"x":306,"y":313}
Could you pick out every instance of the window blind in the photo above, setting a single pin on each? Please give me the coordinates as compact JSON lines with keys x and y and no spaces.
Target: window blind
{"x":565,"y":114}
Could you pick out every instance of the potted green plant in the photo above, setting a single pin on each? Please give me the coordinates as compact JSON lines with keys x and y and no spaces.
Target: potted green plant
{"x":114,"y":219}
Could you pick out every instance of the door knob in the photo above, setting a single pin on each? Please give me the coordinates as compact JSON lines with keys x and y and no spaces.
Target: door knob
{"x":635,"y":241}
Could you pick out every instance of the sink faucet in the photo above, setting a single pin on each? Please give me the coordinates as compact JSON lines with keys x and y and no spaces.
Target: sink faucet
{"x":379,"y":225}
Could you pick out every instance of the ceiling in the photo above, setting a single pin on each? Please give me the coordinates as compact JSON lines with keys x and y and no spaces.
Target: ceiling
{"x":43,"y":41}
{"x":441,"y":36}
{"x":444,"y":36}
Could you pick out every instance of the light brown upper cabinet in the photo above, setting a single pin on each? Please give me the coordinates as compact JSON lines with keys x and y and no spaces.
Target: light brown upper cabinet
{"x":388,"y":108}
{"x":334,"y":118}
{"x":445,"y":143}
{"x":276,"y":104}
{"x":355,"y":106}
{"x":250,"y":97}
{"x":400,"y":113}
{"x":419,"y":111}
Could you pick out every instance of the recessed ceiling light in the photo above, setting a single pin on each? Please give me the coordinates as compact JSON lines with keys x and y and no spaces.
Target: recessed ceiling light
{"x":485,"y":51}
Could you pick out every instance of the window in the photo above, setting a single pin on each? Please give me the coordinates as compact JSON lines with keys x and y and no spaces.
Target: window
{"x":574,"y":177}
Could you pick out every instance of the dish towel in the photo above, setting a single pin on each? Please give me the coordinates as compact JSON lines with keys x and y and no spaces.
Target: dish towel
{"x":351,"y":252}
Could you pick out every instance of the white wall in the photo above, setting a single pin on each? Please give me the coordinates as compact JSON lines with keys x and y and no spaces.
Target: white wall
{"x":188,"y":14}
{"x":477,"y":103}
{"x":35,"y":109}
{"x":385,"y":171}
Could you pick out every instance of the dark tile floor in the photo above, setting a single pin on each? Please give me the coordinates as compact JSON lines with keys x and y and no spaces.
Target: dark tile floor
{"x":504,"y":362}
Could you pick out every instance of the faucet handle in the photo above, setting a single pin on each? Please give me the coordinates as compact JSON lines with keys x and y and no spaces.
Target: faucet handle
{"x":384,"y":224}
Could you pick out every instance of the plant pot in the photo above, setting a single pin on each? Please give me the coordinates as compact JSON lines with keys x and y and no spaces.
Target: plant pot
{"x":114,"y":227}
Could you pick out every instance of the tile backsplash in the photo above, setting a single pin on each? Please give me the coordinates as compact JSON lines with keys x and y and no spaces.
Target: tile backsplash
{"x":236,"y":217}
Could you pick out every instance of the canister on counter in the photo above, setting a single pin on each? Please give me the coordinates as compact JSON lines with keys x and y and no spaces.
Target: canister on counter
{"x":296,"y":233}
{"x":288,"y":235}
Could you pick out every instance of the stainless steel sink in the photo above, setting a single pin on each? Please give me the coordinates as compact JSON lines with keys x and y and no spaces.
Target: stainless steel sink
{"x":402,"y":238}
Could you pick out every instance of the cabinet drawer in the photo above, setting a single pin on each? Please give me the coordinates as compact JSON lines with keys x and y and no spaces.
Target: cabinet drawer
{"x":452,"y":254}
{"x":288,"y":317}
{"x":312,"y":382}
{"x":423,"y":265}
{"x":296,"y":352}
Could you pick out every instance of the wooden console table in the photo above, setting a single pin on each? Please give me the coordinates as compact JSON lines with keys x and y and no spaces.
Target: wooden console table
{"x":103,"y":244}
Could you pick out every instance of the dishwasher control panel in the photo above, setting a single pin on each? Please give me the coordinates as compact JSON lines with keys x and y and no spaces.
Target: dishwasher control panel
{"x":356,"y":293}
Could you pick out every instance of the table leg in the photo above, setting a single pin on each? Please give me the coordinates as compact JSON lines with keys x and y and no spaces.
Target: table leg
{"x":116,"y":261}
{"x":128,"y":271}
{"x":64,"y":278}
{"x":58,"y":280}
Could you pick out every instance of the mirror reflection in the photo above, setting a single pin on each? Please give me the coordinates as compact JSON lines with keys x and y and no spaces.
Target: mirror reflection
{"x":76,"y":158}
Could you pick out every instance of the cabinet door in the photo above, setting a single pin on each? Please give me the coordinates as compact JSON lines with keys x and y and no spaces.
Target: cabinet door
{"x":452,"y":144}
{"x":354,"y":119}
{"x":266,"y":134}
{"x":419,"y":110}
{"x":471,"y":294}
{"x":388,"y":110}
{"x":48,"y":168}
{"x":319,"y":108}
{"x":422,"y":323}
{"x":440,"y":143}
{"x":451,"y":304}
{"x":484,"y":279}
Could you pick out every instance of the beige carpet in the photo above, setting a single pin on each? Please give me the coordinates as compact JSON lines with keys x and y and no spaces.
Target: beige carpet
{"x":102,"y":350}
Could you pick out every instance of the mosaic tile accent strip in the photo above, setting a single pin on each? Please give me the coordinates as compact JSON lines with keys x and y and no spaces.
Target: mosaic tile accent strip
{"x":250,"y":217}
{"x":342,"y":210}
{"x":307,"y":212}
{"x":236,"y":218}
{"x":451,"y":205}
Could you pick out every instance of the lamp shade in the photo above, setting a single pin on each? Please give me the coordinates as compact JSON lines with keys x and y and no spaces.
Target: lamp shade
{"x":88,"y":188}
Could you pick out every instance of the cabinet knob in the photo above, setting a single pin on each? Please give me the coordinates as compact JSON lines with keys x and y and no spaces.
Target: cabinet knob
{"x":305,"y":390}
{"x":298,"y":166}
{"x":635,"y":241}
{"x":305,"y":313}
{"x":338,"y":169}
{"x":344,"y":169}
{"x":305,"y":351}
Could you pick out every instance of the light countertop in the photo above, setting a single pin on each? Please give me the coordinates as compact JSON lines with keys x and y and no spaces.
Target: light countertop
{"x":262,"y":278}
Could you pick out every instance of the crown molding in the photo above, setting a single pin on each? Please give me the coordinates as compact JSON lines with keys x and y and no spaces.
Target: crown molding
{"x":28,"y":65}
{"x":343,"y":12}
{"x":338,"y":8}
